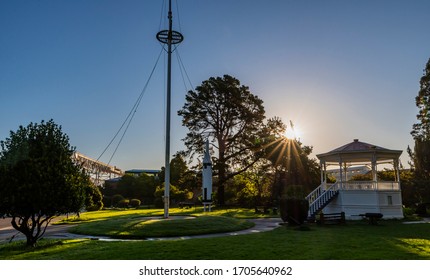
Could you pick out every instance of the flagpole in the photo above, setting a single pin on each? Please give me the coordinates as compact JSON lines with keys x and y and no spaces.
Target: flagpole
{"x":169,"y":37}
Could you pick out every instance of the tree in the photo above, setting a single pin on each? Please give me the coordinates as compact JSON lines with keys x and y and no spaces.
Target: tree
{"x":421,"y":130}
{"x":180,"y":175}
{"x":93,"y":198}
{"x":421,"y":133}
{"x":38,"y":178}
{"x":227,"y":113}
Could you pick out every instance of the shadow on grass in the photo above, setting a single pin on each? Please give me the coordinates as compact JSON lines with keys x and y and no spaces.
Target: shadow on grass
{"x":390,"y":240}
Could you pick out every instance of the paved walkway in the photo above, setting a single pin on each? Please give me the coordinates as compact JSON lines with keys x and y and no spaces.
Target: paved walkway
{"x":7,"y":232}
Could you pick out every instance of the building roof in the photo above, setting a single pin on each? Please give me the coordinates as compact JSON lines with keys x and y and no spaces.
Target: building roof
{"x":357,"y":151}
{"x":139,"y":171}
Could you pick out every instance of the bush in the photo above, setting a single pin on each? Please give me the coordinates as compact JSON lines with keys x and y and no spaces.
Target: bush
{"x":423,"y":210}
{"x":294,"y":211}
{"x":135,"y":203}
{"x":116,"y":199}
{"x":123,"y":203}
{"x":293,"y":206}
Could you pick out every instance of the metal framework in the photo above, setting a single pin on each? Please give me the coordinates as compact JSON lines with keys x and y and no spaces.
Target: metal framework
{"x":97,"y":170}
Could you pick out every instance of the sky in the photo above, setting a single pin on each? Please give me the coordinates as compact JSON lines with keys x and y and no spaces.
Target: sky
{"x":340,"y":70}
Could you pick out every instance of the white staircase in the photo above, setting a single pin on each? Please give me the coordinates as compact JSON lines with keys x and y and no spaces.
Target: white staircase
{"x":320,"y":197}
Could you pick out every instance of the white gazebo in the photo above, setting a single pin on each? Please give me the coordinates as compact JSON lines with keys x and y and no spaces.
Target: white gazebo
{"x":358,"y":197}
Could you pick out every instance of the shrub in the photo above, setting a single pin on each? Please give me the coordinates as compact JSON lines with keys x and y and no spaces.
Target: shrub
{"x":123,"y":203}
{"x":294,"y":210}
{"x":423,"y":209}
{"x":116,"y":199}
{"x":135,"y":203}
{"x":293,"y":206}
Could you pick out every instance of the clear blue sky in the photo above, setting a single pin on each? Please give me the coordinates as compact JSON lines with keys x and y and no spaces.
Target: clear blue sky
{"x":338,"y":69}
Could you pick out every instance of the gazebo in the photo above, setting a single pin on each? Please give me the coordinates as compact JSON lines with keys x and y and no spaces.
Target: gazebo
{"x":358,"y":197}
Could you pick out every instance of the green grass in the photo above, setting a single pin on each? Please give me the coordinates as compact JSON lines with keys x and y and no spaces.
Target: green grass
{"x":139,"y":228}
{"x":240,"y":213}
{"x":390,"y":240}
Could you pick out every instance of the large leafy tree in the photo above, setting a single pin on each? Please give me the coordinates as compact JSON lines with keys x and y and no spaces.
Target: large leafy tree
{"x":38,"y":178}
{"x":231,"y":117}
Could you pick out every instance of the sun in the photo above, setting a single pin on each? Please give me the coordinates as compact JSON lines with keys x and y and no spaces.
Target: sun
{"x":293,"y":133}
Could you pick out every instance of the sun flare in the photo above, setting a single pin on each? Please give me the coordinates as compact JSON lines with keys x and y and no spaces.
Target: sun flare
{"x":293,"y":133}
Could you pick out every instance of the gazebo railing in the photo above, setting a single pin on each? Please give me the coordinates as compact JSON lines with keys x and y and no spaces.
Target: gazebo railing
{"x":369,"y":185}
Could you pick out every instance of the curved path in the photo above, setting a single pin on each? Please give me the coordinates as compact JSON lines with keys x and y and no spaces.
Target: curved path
{"x":8,"y":233}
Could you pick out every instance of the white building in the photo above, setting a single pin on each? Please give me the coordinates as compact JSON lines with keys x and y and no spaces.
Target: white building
{"x":358,"y":197}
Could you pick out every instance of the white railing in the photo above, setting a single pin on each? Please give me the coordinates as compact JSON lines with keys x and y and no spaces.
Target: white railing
{"x":395,"y":186}
{"x":370,"y":185}
{"x":320,"y":196}
{"x":358,"y":185}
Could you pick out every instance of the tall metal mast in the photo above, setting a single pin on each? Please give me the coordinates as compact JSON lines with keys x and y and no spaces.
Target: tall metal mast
{"x":169,"y":37}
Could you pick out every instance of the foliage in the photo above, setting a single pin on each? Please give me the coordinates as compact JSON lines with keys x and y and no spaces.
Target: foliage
{"x":123,"y":203}
{"x":141,"y":187}
{"x":293,"y":205}
{"x":421,"y":130}
{"x":135,"y":203}
{"x":38,"y":178}
{"x":176,"y":195}
{"x":241,"y":191}
{"x":293,"y":165}
{"x":361,"y":177}
{"x":181,"y":176}
{"x":93,"y":198}
{"x":227,"y":113}
{"x":423,"y":209}
{"x":116,"y":199}
{"x":294,"y":211}
{"x":421,"y":133}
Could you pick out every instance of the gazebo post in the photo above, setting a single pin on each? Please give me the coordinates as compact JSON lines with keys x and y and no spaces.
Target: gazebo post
{"x":325,"y":172}
{"x":397,"y":170}
{"x":374,"y":175}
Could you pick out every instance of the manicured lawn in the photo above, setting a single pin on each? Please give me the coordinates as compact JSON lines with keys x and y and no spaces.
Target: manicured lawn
{"x":139,"y":228}
{"x":390,"y":240}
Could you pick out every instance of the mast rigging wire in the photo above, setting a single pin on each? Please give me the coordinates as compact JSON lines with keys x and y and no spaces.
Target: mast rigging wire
{"x":131,"y":114}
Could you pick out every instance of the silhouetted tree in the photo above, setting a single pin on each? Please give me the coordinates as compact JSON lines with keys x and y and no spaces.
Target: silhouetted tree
{"x":421,"y":133}
{"x":227,"y":113}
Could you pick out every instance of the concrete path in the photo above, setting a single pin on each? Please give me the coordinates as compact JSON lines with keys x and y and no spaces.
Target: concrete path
{"x":8,"y":233}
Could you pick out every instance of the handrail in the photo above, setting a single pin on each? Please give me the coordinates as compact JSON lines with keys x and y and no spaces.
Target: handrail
{"x":320,"y":196}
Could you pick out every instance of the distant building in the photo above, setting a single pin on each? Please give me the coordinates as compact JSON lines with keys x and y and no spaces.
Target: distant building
{"x":137,"y":172}
{"x":349,"y":172}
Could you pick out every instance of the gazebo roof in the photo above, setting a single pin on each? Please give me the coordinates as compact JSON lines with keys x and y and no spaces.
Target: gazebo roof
{"x":357,"y":151}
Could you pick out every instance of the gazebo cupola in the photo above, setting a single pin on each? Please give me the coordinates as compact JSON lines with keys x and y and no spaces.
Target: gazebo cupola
{"x":355,"y":197}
